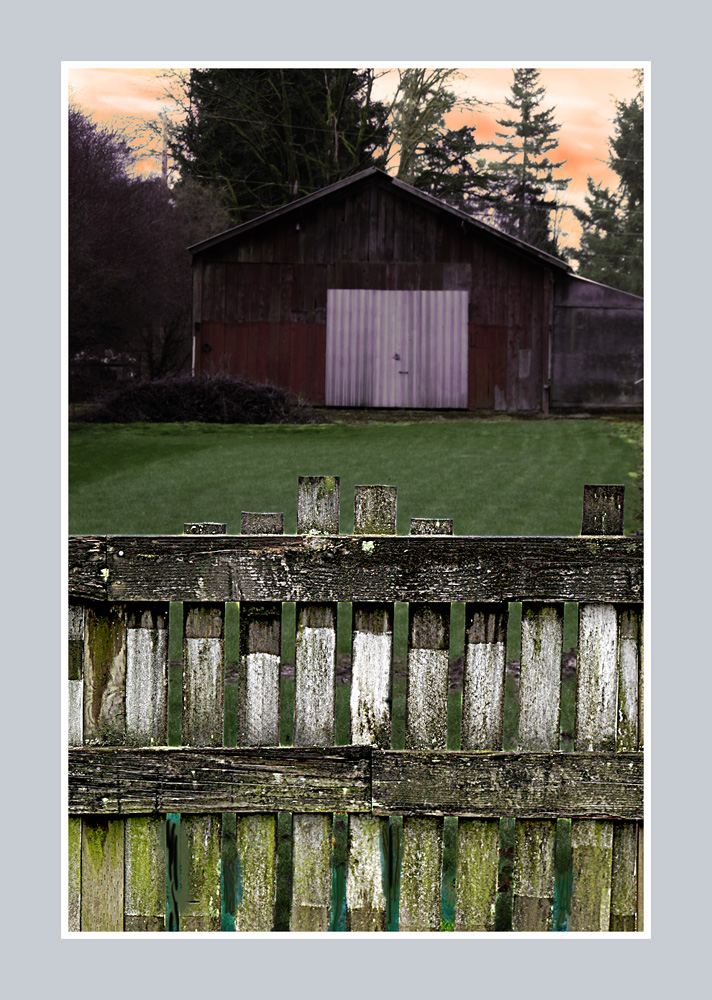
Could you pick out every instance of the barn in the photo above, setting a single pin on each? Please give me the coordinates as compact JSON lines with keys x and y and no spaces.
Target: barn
{"x":370,"y":293}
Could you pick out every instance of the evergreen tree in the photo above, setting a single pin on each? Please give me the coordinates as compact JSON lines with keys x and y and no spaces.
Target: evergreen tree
{"x":520,"y":182}
{"x":611,"y":247}
{"x":268,"y":136}
{"x":446,"y":170}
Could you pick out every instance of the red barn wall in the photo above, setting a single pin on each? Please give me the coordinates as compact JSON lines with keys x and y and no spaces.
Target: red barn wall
{"x":260,"y":298}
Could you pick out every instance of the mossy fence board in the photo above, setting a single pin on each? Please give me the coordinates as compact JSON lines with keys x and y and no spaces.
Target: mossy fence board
{"x":229,"y":831}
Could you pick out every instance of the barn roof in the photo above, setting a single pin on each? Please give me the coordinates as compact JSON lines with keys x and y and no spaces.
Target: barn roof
{"x":374,"y":174}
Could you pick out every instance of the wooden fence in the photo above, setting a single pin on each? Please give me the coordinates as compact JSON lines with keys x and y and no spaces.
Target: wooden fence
{"x":229,"y":830}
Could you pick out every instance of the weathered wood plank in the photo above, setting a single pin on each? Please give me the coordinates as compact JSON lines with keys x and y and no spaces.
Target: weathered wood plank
{"x":539,"y":713}
{"x":203,"y":674}
{"x":201,"y":909}
{"x":104,"y":697}
{"x":508,"y":783}
{"x":146,"y":725}
{"x":145,"y":874}
{"x":314,"y":680}
{"x":318,"y":505}
{"x":130,"y":781}
{"x":625,"y":875}
{"x":596,"y":723}
{"x":203,"y":701}
{"x":259,"y":665}
{"x":315,"y":663}
{"x":256,"y":843}
{"x":421,"y":874}
{"x":596,"y":699}
{"x":102,"y":866}
{"x":104,"y":722}
{"x":87,"y":567}
{"x":74,"y":873}
{"x":75,"y":681}
{"x":147,"y":675}
{"x":640,"y":921}
{"x":426,"y":729}
{"x":624,"y":881}
{"x":258,"y":725}
{"x":591,"y":851}
{"x":603,"y":510}
{"x":592,"y":842}
{"x":322,"y":568}
{"x":311,"y":873}
{"x":371,"y":685}
{"x":482,"y":727}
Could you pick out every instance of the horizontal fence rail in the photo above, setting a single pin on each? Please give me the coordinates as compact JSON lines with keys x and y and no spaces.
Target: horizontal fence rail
{"x":320,"y":568}
{"x":221,"y":779}
{"x":128,"y":782}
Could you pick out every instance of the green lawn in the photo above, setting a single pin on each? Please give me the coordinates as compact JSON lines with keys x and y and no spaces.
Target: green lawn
{"x":496,"y":477}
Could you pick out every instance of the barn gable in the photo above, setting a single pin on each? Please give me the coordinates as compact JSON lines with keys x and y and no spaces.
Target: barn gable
{"x":371,"y":293}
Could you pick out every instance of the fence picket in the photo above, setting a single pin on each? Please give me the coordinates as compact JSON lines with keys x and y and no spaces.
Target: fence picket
{"x":203,"y":693}
{"x":258,"y":725}
{"x":624,"y":887}
{"x":146,"y":725}
{"x":104,"y":705}
{"x":371,"y":685}
{"x":75,"y":660}
{"x":482,"y":728}
{"x":203,"y":681}
{"x":539,"y":713}
{"x":314,"y":679}
{"x":596,"y":710}
{"x":426,"y":729}
{"x":75,"y":694}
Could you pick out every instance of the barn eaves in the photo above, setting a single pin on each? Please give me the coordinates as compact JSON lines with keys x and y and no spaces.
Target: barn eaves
{"x":381,"y":176}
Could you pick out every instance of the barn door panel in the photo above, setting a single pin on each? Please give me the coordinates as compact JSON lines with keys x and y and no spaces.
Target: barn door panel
{"x":396,"y":348}
{"x":394,"y":329}
{"x":442,"y":346}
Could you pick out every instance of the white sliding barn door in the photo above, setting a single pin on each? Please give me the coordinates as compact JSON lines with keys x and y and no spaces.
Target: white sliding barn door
{"x":396,"y":348}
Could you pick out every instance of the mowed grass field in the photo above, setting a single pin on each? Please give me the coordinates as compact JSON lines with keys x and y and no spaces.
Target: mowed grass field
{"x":493,"y":477}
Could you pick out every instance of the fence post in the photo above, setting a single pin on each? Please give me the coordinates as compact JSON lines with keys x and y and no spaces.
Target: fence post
{"x":596,"y":706}
{"x":426,"y":729}
{"x":482,"y":729}
{"x":371,"y":683}
{"x":314,"y":678}
{"x":258,"y":725}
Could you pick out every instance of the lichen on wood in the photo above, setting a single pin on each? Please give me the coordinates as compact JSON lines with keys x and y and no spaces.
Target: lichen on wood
{"x":102,"y":867}
{"x":311,"y":873}
{"x":104,"y":699}
{"x":145,"y":874}
{"x":256,"y":841}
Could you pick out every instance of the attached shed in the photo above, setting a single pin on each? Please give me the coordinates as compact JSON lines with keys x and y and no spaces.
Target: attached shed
{"x":597,"y":355}
{"x":371,"y":293}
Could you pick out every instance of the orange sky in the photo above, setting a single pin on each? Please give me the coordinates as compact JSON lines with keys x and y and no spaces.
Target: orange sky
{"x":583,"y":98}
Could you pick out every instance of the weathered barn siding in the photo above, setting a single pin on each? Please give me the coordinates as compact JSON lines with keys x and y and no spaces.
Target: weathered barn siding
{"x":597,"y":346}
{"x":260,"y":291}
